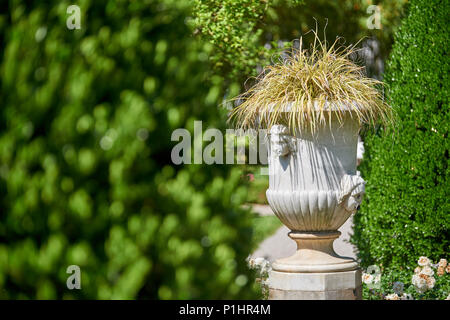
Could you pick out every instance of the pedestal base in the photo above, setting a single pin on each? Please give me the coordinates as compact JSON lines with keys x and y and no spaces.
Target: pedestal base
{"x":314,"y":254}
{"x":344,"y":285}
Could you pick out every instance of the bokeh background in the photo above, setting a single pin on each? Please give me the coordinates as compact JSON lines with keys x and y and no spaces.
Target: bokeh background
{"x":86,"y":118}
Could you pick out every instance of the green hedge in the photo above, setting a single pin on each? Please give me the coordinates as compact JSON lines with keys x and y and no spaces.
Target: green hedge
{"x":406,"y":212}
{"x":86,"y":177}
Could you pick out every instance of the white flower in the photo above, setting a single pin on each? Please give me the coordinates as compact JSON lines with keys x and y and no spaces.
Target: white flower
{"x":261,"y":264}
{"x":406,"y":296}
{"x":427,"y":271}
{"x":258,"y":261}
{"x":398,"y":287}
{"x":417,"y":270}
{"x":424,"y":261}
{"x":430,"y":282}
{"x":392,"y":296}
{"x":420,"y":283}
{"x":367,"y":278}
{"x":266,"y":267}
{"x":415,"y":279}
{"x":255,"y":262}
{"x":443,"y":263}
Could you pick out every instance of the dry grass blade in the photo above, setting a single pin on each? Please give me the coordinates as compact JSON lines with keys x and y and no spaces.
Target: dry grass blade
{"x":306,"y":87}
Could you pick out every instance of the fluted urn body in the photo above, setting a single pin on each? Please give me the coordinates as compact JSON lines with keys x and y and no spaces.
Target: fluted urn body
{"x":314,"y":188}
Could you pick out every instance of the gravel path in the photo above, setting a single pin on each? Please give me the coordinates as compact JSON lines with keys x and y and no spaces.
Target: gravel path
{"x":279,"y":245}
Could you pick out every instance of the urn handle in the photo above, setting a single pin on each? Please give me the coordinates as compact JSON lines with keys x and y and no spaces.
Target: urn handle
{"x":351,"y":192}
{"x":282,"y":143}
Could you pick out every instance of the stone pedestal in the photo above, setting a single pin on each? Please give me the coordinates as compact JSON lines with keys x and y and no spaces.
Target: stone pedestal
{"x":313,"y":189}
{"x":344,"y":285}
{"x":314,"y":254}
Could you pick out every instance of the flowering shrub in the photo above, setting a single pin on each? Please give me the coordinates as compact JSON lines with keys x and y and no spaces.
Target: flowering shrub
{"x":262,"y":268}
{"x":429,"y":281}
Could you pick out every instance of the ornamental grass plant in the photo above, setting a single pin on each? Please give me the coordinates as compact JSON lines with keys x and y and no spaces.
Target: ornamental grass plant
{"x":307,"y":86}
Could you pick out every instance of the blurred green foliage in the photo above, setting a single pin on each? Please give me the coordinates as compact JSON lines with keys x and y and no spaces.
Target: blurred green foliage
{"x":258,"y":184}
{"x":405,"y":214}
{"x":85,"y":170}
{"x":264,"y":226}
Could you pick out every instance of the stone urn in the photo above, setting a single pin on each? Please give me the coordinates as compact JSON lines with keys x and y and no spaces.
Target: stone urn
{"x":314,"y":188}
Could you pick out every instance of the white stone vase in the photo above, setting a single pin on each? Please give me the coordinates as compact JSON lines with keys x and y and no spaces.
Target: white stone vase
{"x":313,"y":189}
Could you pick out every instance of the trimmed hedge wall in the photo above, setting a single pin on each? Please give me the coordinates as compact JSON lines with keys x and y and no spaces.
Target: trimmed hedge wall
{"x":406,"y":211}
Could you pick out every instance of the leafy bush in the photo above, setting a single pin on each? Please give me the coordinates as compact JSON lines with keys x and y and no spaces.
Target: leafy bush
{"x":85,"y":143}
{"x":246,"y":34}
{"x":231,"y":27}
{"x":406,"y":211}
